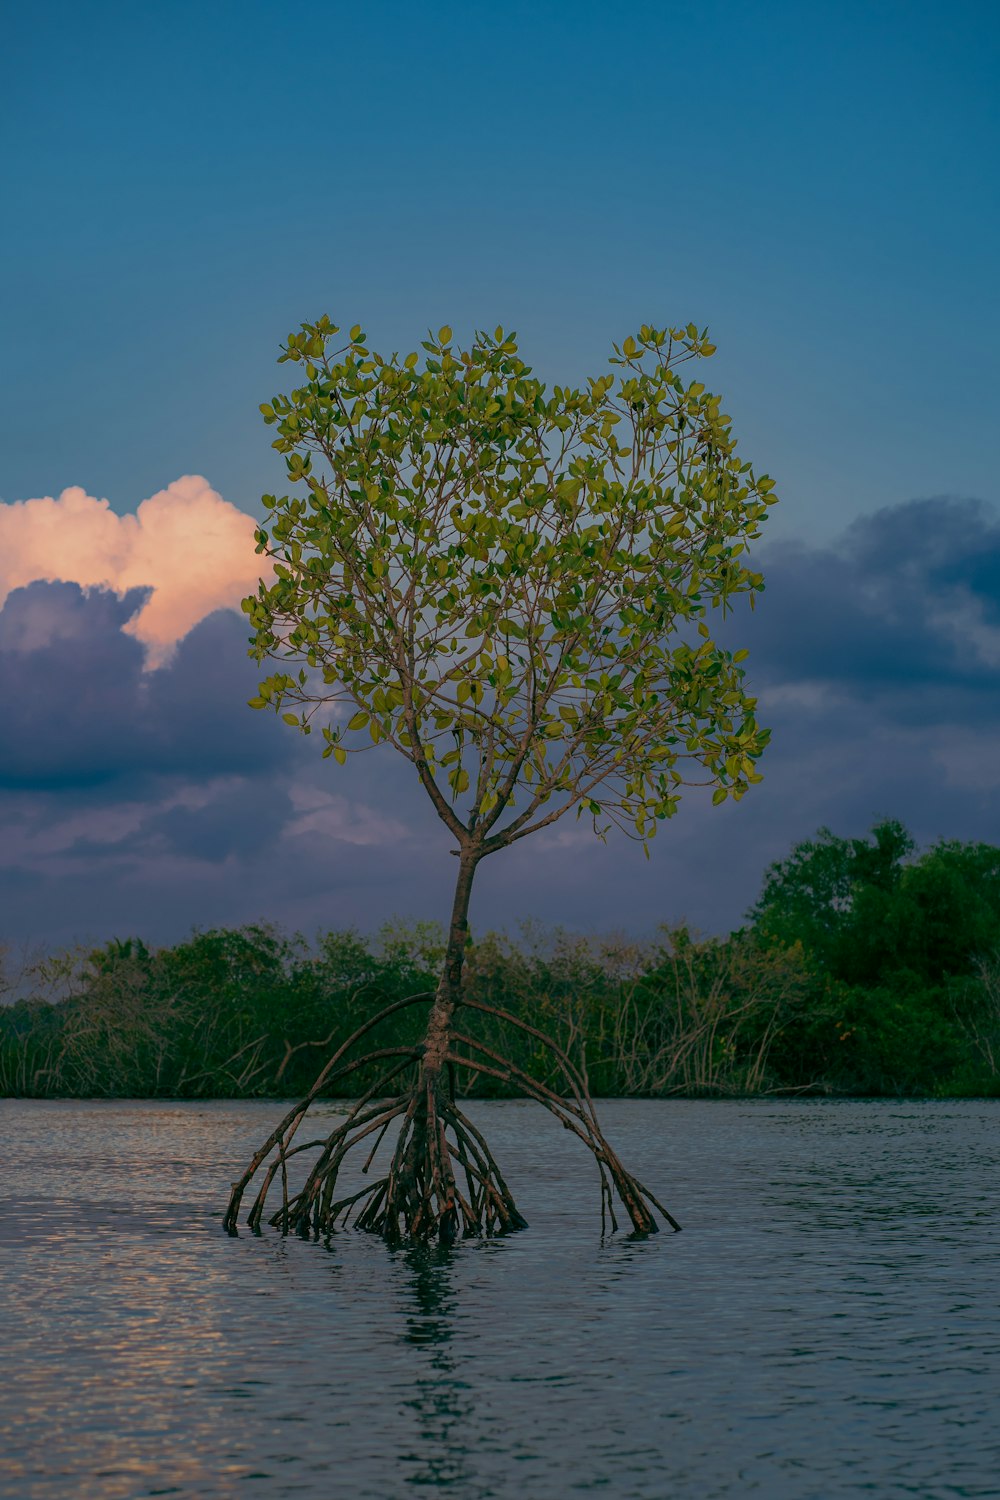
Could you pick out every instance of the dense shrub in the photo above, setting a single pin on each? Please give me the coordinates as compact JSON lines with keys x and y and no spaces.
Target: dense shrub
{"x":865,"y":969}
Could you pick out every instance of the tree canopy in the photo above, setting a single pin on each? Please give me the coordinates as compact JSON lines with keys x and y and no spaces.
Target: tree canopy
{"x":513,"y":587}
{"x":870,"y":908}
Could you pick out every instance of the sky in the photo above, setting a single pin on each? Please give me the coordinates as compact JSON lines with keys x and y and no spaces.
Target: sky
{"x":817,"y":184}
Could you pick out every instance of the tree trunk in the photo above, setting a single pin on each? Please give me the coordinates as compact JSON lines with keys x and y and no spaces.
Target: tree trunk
{"x":437,"y":1038}
{"x":430,"y":1156}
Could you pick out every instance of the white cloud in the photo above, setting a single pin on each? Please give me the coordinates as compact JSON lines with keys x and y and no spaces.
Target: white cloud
{"x":331,"y":817}
{"x":194,"y":550}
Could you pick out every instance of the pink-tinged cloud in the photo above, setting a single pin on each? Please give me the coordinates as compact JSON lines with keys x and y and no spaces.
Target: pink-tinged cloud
{"x":193,"y":549}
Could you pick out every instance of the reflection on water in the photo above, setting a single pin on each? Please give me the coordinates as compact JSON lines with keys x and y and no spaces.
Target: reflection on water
{"x":826,"y":1325}
{"x":441,"y":1403}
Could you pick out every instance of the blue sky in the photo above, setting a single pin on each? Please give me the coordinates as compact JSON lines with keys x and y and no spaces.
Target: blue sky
{"x":817,"y":183}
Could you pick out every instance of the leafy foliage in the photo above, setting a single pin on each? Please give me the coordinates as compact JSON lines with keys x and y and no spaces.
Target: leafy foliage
{"x":867,"y":909}
{"x":900,"y":945}
{"x":513,"y":586}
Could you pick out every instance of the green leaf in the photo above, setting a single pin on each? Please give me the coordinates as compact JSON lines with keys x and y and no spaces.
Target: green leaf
{"x":469,"y":535}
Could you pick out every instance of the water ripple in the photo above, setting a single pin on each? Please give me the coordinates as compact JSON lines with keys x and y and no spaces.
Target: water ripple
{"x":827,"y":1325}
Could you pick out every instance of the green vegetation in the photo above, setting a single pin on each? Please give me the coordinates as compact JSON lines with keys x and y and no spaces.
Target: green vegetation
{"x":864,"y":969}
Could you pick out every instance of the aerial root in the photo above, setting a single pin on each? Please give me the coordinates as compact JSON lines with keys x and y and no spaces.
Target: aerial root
{"x":442,"y":1180}
{"x":576,"y":1113}
{"x":283,"y":1133}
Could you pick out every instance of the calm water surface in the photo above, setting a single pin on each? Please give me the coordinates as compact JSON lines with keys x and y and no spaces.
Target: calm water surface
{"x":828,"y":1323}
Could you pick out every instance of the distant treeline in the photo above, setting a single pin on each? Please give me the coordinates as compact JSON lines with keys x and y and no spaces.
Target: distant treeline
{"x":864,"y":968}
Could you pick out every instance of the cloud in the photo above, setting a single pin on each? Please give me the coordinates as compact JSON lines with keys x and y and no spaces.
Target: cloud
{"x":155,"y":801}
{"x":905,"y":602}
{"x":80,"y":710}
{"x":321,"y":814}
{"x":191,"y":550}
{"x":152,"y":801}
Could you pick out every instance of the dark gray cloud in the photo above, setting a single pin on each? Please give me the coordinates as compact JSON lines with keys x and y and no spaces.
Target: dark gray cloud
{"x":68,"y":682}
{"x":151,"y":802}
{"x":79,"y":709}
{"x":908,"y":599}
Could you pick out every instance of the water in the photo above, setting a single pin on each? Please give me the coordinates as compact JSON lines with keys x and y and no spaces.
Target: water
{"x":826,"y":1325}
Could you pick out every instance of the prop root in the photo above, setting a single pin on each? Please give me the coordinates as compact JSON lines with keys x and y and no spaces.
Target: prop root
{"x":442,"y":1180}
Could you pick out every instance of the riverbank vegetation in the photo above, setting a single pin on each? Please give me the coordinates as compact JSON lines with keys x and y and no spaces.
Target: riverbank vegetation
{"x":864,"y":968}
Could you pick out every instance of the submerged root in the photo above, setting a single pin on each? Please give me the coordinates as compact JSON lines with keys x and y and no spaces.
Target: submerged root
{"x":442,"y":1180}
{"x":576,"y":1113}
